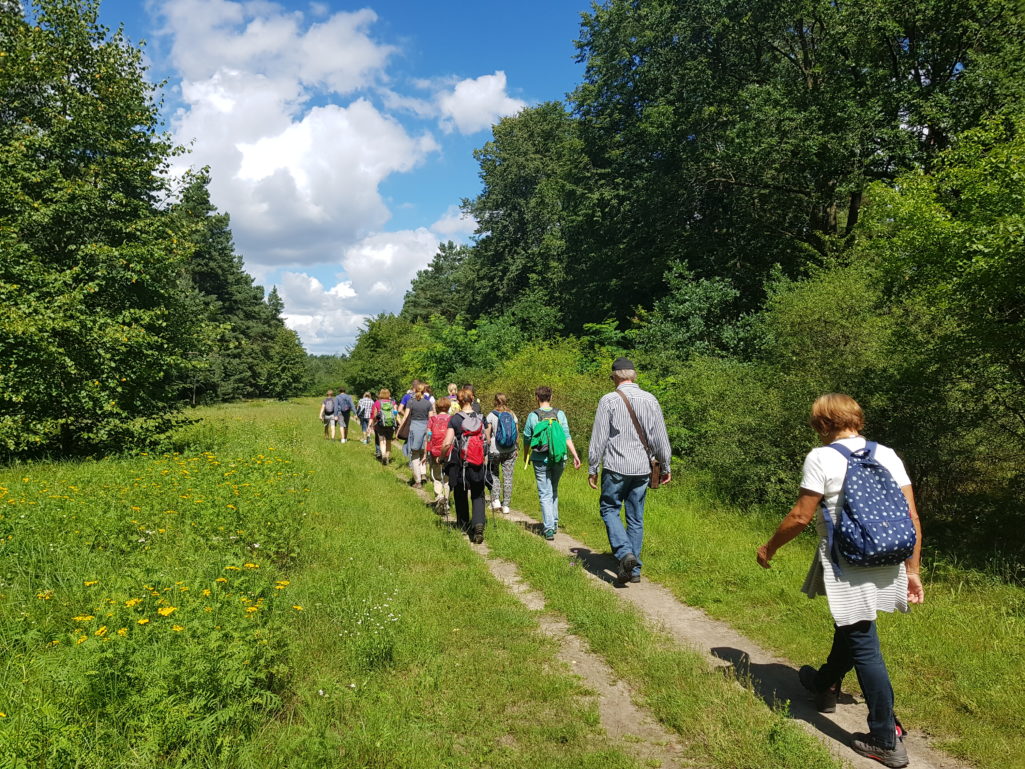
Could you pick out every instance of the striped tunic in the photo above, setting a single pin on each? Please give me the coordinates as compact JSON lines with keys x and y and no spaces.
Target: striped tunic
{"x":614,"y":442}
{"x":859,"y":592}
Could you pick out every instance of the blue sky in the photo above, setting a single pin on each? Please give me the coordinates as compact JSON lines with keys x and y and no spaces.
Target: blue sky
{"x":340,"y":136}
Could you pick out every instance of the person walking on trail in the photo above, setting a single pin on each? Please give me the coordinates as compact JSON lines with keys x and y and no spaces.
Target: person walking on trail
{"x":437,"y":428}
{"x":453,"y":397}
{"x":329,"y":415}
{"x":363,"y":408}
{"x":404,"y":401}
{"x":418,"y":410}
{"x":865,"y":486}
{"x":502,"y":452}
{"x":344,"y":409}
{"x":384,"y":416}
{"x":466,"y":446}
{"x":547,"y":443}
{"x":629,"y":432}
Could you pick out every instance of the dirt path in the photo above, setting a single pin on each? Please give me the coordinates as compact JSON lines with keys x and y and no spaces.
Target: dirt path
{"x":633,"y":728}
{"x":774,"y":679}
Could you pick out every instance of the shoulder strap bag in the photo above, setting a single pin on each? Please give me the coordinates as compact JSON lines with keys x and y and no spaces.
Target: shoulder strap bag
{"x":656,"y":468}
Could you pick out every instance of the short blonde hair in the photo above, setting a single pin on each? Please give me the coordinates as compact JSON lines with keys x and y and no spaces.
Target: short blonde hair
{"x":834,"y":412}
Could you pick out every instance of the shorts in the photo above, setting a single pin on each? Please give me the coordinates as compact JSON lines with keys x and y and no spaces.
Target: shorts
{"x":330,"y":419}
{"x":384,"y":432}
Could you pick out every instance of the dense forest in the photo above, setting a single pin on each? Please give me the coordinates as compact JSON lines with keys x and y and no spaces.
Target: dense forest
{"x":121,"y":295}
{"x":760,"y":202}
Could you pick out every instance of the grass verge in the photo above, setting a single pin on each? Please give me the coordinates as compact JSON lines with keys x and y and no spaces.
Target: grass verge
{"x":264,"y":599}
{"x":721,"y":724}
{"x":955,"y":661}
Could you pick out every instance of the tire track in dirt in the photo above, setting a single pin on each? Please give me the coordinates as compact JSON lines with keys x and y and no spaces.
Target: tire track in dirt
{"x":773,"y":678}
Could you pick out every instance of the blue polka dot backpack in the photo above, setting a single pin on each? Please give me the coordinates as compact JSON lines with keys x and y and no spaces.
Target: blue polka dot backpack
{"x":875,"y":526}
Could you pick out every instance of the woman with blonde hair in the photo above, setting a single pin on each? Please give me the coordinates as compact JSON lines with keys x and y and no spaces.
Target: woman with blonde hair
{"x":855,"y":593}
{"x":466,"y":448}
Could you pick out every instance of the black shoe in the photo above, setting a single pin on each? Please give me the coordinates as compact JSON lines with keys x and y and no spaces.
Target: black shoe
{"x":865,"y":745}
{"x":626,"y":567}
{"x":635,"y":578}
{"x":825,"y":699}
{"x":478,"y":533}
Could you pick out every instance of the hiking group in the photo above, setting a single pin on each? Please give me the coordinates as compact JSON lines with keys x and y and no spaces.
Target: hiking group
{"x":857,"y":491}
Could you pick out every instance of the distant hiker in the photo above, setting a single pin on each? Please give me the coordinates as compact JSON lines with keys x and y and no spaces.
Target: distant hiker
{"x":546,"y":443}
{"x":437,"y":428}
{"x":476,"y":400}
{"x":363,"y":408}
{"x":629,"y":432}
{"x":418,"y":411}
{"x":453,"y":397}
{"x":328,"y":415}
{"x":886,"y":509}
{"x":466,"y":441}
{"x":408,"y":394}
{"x":503,"y":451}
{"x":344,"y":410}
{"x":384,"y":416}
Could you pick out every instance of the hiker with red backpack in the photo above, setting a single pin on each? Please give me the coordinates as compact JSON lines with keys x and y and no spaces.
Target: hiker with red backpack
{"x":503,"y":451}
{"x":384,"y":417}
{"x":547,"y":443}
{"x":868,"y":560}
{"x":437,"y":428}
{"x":466,"y":446}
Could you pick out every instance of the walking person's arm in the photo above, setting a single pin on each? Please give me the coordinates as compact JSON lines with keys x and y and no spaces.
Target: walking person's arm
{"x":561,"y":416}
{"x":916,"y":592}
{"x":660,"y":445}
{"x":800,"y":515}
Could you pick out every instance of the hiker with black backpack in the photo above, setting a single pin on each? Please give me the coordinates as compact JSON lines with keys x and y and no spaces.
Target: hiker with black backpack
{"x":547,"y":443}
{"x":384,"y":416}
{"x":344,"y":409}
{"x":868,"y":560}
{"x":503,"y":451}
{"x":328,"y":415}
{"x":466,"y":446}
{"x":630,"y":444}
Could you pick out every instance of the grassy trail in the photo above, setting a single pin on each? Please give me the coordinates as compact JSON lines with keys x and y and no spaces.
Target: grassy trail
{"x":265,"y":598}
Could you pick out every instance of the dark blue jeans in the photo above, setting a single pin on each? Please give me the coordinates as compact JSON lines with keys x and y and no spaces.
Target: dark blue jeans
{"x":857,"y":646}
{"x":628,"y":492}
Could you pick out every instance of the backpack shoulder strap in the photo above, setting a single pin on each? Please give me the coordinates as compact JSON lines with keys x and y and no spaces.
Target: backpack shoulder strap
{"x":844,"y":451}
{"x":637,"y":424}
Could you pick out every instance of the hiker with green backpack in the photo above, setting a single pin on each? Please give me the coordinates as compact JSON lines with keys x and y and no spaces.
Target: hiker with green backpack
{"x":547,"y":443}
{"x":384,"y":416}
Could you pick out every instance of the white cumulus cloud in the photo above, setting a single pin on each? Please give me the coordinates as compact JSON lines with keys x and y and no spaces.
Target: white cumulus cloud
{"x":475,"y":104}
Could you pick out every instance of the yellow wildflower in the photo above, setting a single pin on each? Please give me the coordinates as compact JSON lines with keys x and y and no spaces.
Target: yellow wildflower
{"x":102,"y":631}
{"x":251,"y":565}
{"x":220,"y":579}
{"x":167,"y":611}
{"x":143,"y":621}
{"x":91,"y":582}
{"x":251,"y":609}
{"x":177,"y":628}
{"x":232,"y":568}
{"x":297,"y":607}
{"x":122,"y":631}
{"x":133,"y":602}
{"x":207,"y":592}
{"x":46,"y":595}
{"x":83,"y":618}
{"x":81,"y":639}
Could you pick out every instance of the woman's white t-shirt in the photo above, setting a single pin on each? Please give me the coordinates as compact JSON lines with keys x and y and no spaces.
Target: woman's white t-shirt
{"x":858,"y":592}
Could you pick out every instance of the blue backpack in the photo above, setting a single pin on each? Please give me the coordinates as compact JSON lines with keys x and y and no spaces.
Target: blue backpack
{"x":875,"y":526}
{"x":506,"y":434}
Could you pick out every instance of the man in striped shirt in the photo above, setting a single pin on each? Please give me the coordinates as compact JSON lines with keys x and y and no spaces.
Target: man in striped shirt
{"x":626,"y":467}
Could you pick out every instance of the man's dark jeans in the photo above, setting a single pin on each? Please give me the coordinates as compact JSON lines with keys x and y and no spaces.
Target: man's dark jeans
{"x":857,"y":646}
